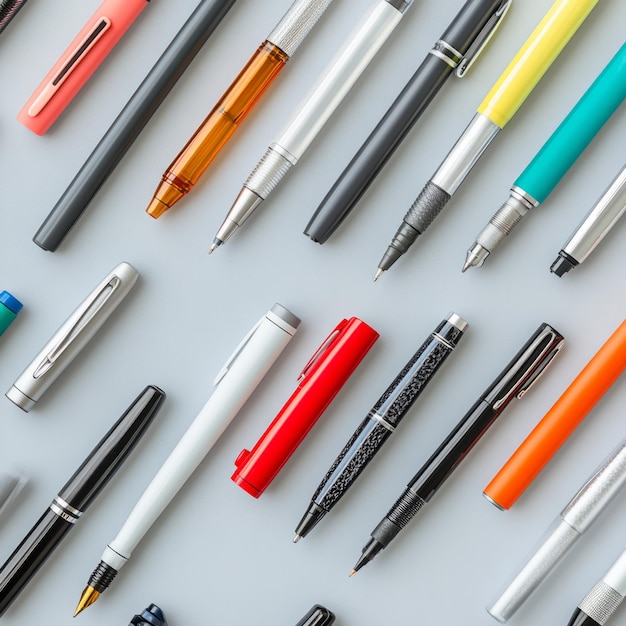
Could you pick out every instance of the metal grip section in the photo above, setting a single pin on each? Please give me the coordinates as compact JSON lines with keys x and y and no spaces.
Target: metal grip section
{"x":356,"y":454}
{"x":268,"y":173}
{"x":426,"y":207}
{"x":601,"y":602}
{"x":102,"y":577}
{"x":296,"y":24}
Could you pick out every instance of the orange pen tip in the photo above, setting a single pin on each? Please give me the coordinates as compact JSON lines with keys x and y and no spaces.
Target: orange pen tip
{"x":156,"y":208}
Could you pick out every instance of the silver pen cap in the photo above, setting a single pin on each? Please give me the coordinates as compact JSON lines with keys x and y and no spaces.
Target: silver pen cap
{"x":72,"y":337}
{"x":580,"y":513}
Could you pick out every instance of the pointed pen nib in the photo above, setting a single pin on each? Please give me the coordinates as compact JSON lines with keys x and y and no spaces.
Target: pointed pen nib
{"x":89,"y":596}
{"x":476,"y":256}
{"x":352,"y":573}
{"x":297,"y":538}
{"x":216,"y":244}
{"x":378,"y":274}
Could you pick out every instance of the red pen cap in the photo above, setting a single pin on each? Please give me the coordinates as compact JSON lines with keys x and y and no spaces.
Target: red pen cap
{"x":319,"y":382}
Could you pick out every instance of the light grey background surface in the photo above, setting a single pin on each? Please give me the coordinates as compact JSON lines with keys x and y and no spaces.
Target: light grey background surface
{"x":217,"y":556}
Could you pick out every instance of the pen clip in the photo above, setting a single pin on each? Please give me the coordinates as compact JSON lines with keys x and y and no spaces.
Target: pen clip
{"x":237,"y":352}
{"x":537,"y":355}
{"x":315,"y":359}
{"x":540,"y":370}
{"x":85,"y":315}
{"x":483,"y":38}
{"x":75,"y":57}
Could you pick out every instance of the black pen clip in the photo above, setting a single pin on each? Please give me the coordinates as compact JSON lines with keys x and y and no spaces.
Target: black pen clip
{"x":483,"y":38}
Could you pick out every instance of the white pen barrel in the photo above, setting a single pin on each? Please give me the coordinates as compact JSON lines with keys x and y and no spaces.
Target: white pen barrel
{"x":616,"y":576}
{"x":338,"y":78}
{"x":262,"y":349}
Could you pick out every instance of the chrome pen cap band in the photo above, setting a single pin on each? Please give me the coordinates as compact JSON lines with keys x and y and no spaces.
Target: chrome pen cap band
{"x":72,"y":336}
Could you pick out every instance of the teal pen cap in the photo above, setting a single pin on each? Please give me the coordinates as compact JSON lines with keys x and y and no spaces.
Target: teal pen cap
{"x":556,"y":156}
{"x":10,"y":306}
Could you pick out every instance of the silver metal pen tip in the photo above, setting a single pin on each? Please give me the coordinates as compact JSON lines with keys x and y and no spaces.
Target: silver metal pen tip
{"x":378,"y":274}
{"x":216,"y":244}
{"x":476,"y":256}
{"x":297,"y":538}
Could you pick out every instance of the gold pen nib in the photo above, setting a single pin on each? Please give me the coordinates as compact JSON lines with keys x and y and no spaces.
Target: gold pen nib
{"x":89,"y":596}
{"x":352,"y":573}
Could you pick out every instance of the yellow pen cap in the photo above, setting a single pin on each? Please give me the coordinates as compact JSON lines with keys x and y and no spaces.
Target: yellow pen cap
{"x":534,"y":58}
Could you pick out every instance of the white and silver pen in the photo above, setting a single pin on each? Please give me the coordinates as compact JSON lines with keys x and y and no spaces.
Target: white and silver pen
{"x":604,"y":598}
{"x":596,"y":224}
{"x":234,"y":384}
{"x":575,"y":519}
{"x":334,"y":82}
{"x":72,"y":337}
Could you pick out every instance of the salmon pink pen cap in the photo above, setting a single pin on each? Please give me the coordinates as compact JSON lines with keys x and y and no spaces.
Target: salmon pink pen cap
{"x":79,"y":61}
{"x":319,"y":382}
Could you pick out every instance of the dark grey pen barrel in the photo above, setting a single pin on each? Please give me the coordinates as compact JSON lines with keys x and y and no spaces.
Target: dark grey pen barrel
{"x":30,"y":555}
{"x":401,"y":116}
{"x":318,"y":616}
{"x":378,"y":149}
{"x":131,"y":121}
{"x":113,"y":449}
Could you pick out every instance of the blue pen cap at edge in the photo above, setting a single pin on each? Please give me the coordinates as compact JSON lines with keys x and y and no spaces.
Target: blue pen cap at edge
{"x":10,"y":306}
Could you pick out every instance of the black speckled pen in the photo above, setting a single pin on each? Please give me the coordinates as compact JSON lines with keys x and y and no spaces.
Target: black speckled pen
{"x":382,"y":420}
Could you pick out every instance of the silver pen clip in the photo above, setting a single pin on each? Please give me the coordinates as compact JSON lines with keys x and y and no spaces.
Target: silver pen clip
{"x":237,"y":352}
{"x":86,"y":315}
{"x":541,"y":370}
{"x":483,"y":38}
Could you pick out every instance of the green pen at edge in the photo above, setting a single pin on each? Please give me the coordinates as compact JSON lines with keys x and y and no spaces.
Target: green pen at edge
{"x":556,"y":156}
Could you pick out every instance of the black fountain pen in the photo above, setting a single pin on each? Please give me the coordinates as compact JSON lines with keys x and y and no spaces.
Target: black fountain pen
{"x":513,"y":382}
{"x":382,"y":420}
{"x":77,"y":494}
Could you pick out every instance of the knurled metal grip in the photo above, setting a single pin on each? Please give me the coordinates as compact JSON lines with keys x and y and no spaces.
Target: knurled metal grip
{"x":268,"y":173}
{"x":296,"y":24}
{"x":601,"y":602}
{"x":426,"y":207}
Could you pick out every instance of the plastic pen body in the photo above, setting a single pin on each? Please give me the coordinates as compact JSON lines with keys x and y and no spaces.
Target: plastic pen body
{"x":131,"y":121}
{"x":234,"y":106}
{"x":604,"y":598}
{"x":320,"y":381}
{"x":72,"y":337}
{"x":513,"y":382}
{"x":593,"y":381}
{"x":316,"y":108}
{"x":79,"y":61}
{"x":575,"y":519}
{"x":594,"y":227}
{"x":501,"y":103}
{"x":382,"y":420}
{"x":78,"y":493}
{"x":556,"y":157}
{"x":444,"y":58}
{"x":234,"y":385}
{"x":318,"y":616}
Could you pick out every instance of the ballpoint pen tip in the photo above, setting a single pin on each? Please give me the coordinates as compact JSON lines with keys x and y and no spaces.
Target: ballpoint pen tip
{"x":352,"y":573}
{"x":378,"y":274}
{"x":466,"y":266}
{"x":297,"y":538}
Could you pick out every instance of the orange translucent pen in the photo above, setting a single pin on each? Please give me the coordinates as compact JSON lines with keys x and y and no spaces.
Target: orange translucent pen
{"x":239,"y":99}
{"x":593,"y":381}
